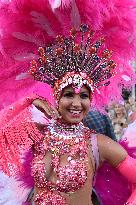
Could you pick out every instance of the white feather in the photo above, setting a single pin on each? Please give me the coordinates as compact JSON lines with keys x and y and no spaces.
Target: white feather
{"x":12,"y":192}
{"x":55,"y":4}
{"x":25,"y":56}
{"x":22,"y":76}
{"x":38,"y":116}
{"x":42,"y":22}
{"x":98,"y":91}
{"x":126,"y":77}
{"x":75,"y":16}
{"x":27,"y":37}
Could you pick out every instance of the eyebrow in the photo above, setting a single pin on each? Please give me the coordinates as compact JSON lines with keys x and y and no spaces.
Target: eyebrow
{"x":71,"y":91}
{"x":85,"y":91}
{"x":68,"y":91}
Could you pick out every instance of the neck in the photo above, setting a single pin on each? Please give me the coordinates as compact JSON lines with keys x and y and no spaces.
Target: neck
{"x":65,"y":126}
{"x":64,"y":123}
{"x":120,"y":115}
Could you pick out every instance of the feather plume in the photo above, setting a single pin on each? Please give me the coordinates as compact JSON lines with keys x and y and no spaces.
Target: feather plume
{"x":75,"y":16}
{"x":55,"y":4}
{"x":26,"y":25}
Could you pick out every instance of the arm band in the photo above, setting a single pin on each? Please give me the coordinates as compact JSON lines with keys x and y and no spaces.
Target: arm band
{"x":128,"y":169}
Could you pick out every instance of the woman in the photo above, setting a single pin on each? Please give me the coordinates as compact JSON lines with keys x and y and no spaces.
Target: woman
{"x":65,"y":153}
{"x":130,"y":131}
{"x":76,"y":166}
{"x":73,"y":108}
{"x":120,"y":120}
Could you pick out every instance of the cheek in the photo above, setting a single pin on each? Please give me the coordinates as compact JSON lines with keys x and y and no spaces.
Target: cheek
{"x":62,"y":105}
{"x":87,"y":106}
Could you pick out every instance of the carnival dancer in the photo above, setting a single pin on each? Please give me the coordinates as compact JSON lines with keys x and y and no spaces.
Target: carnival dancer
{"x":65,"y":153}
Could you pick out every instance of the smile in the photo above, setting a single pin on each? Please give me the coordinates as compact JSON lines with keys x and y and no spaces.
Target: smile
{"x":76,"y":112}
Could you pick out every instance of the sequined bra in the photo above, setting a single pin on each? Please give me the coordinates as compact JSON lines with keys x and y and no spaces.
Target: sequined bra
{"x":59,"y":140}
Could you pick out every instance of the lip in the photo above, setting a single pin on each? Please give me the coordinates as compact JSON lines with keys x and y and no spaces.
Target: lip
{"x":75,"y":113}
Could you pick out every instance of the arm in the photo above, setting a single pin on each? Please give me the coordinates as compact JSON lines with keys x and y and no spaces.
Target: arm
{"x":110,"y":151}
{"x":116,"y":155}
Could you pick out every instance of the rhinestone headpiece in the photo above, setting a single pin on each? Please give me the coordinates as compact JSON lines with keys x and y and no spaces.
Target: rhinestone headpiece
{"x":75,"y":60}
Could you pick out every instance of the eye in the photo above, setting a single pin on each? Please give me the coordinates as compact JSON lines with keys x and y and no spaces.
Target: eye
{"x":84,"y":95}
{"x":68,"y":94}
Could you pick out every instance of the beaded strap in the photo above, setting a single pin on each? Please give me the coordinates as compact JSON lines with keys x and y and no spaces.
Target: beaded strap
{"x":95,"y":151}
{"x":96,"y":156}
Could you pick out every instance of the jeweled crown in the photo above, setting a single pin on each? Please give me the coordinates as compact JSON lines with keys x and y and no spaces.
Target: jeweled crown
{"x":77,"y":53}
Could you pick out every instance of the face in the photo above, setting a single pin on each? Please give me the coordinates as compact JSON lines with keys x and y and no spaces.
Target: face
{"x":74,"y":106}
{"x":132,"y":117}
{"x":119,"y":109}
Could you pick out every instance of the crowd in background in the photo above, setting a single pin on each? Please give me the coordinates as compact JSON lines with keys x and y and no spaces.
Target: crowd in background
{"x":121,"y":115}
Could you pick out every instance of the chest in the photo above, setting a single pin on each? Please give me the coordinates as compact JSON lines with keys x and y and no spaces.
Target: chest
{"x":61,"y":161}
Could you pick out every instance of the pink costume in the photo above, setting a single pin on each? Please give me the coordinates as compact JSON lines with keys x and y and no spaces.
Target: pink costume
{"x":65,"y":183}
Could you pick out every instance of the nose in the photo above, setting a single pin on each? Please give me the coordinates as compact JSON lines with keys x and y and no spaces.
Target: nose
{"x":76,"y":101}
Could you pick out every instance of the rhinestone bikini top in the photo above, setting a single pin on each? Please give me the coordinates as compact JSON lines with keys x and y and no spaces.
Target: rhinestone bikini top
{"x":59,"y":140}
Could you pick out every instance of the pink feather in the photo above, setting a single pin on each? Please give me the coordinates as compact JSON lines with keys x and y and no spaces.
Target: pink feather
{"x":25,"y":25}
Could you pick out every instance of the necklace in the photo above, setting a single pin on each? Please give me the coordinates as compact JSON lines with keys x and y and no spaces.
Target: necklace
{"x":66,"y":131}
{"x":71,"y":141}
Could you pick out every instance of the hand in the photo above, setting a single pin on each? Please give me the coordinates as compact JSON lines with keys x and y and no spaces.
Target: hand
{"x":45,"y":107}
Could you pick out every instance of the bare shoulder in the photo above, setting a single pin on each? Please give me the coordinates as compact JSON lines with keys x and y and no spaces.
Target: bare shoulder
{"x":110,"y":150}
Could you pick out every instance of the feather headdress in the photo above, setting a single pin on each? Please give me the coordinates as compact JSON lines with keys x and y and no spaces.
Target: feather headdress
{"x":26,"y":25}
